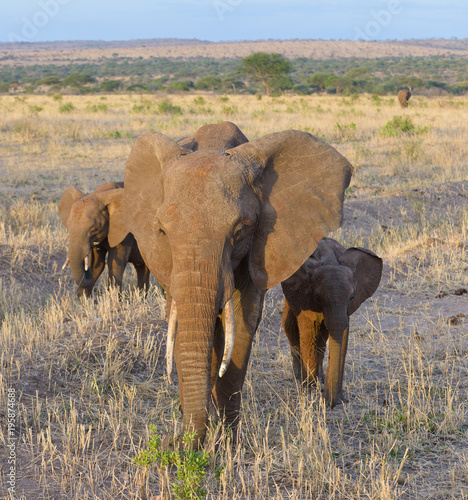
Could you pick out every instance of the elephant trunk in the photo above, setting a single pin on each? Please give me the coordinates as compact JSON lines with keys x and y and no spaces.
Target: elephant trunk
{"x":78,"y":251}
{"x":337,"y":330}
{"x":197,"y":283}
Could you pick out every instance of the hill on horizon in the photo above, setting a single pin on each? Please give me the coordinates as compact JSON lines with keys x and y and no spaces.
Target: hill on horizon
{"x":63,"y":53}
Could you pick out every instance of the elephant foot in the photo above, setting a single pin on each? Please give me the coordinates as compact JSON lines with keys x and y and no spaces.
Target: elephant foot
{"x":339,"y":400}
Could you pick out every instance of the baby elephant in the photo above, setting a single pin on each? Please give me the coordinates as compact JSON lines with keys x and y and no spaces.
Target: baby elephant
{"x":96,"y":228}
{"x":331,"y":284}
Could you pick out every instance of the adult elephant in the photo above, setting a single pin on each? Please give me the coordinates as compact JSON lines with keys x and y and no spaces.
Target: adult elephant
{"x":96,"y":228}
{"x":218,"y":225}
{"x":403,"y":97}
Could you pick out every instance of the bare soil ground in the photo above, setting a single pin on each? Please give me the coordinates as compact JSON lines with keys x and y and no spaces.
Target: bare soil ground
{"x":89,"y":378}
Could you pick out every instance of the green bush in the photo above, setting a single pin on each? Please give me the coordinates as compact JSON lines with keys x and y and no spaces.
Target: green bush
{"x":34,"y":109}
{"x":346,"y":131}
{"x":110,"y":85}
{"x":165,"y":106}
{"x":229,"y":110}
{"x":66,"y":107}
{"x":184,"y":85}
{"x":191,"y":465}
{"x":94,"y":108}
{"x":301,"y":89}
{"x":137,"y":87}
{"x":401,"y":125}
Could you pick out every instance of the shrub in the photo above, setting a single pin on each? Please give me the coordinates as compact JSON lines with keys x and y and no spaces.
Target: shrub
{"x":301,"y":89}
{"x":165,"y":106}
{"x":229,"y":110}
{"x":184,"y":85}
{"x":66,"y":107}
{"x":110,"y":85}
{"x":191,"y":465}
{"x":400,"y":125}
{"x":49,"y":80}
{"x":346,"y":131}
{"x":137,"y":87}
{"x":97,"y":107}
{"x":34,"y":109}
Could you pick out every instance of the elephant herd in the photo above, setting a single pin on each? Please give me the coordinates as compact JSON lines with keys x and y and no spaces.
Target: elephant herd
{"x":219,"y":220}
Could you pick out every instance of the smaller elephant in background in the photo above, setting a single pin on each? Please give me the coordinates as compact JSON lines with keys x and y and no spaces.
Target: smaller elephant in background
{"x":404,"y":97}
{"x":96,"y":227}
{"x":319,"y":299}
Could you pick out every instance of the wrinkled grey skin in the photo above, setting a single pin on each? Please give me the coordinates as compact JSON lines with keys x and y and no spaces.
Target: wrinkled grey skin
{"x":213,"y":220}
{"x":319,"y":298}
{"x":96,"y":229}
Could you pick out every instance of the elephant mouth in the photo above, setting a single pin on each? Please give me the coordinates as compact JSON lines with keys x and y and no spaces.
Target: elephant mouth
{"x":229,"y":338}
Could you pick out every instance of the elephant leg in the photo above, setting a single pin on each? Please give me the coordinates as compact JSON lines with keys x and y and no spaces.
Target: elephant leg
{"x":344,"y":348}
{"x":116,"y":263}
{"x":321,"y":348}
{"x":309,"y":323}
{"x":143,"y":275}
{"x":291,"y":329}
{"x":97,"y":264}
{"x":248,"y":304}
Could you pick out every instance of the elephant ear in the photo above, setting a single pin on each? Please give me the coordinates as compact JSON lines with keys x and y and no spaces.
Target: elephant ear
{"x":302,"y":182}
{"x":118,"y":230}
{"x":367,"y":269}
{"x":69,"y":197}
{"x":143,"y":194}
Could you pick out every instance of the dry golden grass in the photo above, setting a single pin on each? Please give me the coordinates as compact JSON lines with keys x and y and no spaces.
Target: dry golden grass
{"x":90,"y":379}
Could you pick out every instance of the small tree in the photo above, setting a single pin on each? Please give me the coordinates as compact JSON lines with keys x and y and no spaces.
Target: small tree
{"x":263,"y":67}
{"x":320,"y":80}
{"x":281,"y":83}
{"x":110,"y":85}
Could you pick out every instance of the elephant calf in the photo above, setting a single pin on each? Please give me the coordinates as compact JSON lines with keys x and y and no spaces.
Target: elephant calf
{"x":96,"y":228}
{"x":319,"y":298}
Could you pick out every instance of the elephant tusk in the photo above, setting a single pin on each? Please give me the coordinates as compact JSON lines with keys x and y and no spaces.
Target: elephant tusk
{"x":66,"y":263}
{"x":228,"y":336}
{"x":171,"y":331}
{"x":86,"y":263}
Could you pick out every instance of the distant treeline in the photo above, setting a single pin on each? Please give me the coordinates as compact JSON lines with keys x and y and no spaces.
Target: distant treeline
{"x":437,"y":75}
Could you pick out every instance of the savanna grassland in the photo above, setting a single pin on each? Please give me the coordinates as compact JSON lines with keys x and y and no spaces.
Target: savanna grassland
{"x":89,"y":377}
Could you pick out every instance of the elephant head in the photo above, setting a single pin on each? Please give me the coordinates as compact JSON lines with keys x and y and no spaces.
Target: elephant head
{"x":334,"y":281}
{"x":220,"y":222}
{"x":91,"y":221}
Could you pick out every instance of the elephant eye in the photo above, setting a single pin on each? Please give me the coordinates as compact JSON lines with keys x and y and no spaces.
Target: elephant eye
{"x":237,"y":229}
{"x":161,"y":231}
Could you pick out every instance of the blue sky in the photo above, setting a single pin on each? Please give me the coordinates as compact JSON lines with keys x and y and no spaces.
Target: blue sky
{"x":216,"y":20}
